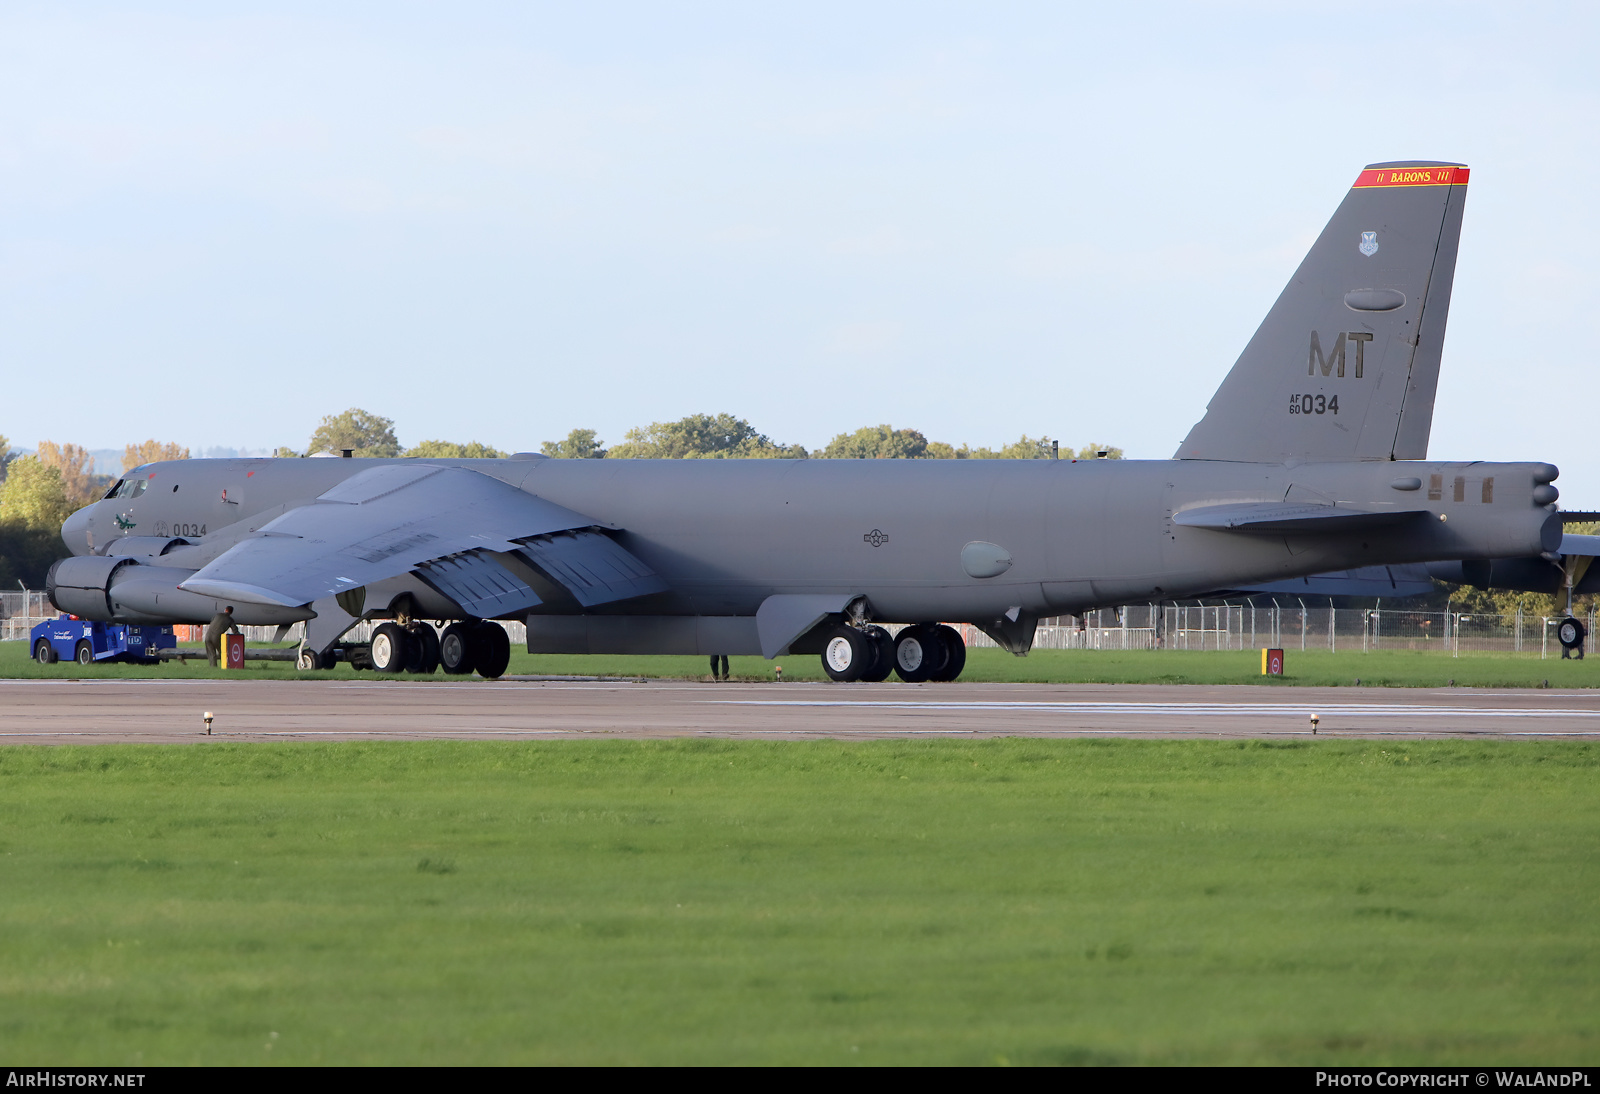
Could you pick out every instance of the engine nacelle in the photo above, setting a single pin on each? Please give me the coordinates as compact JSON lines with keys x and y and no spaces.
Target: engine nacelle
{"x":122,"y":590}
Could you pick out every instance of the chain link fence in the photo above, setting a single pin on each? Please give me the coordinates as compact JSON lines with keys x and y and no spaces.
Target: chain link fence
{"x":1226,"y":625}
{"x":1245,"y":625}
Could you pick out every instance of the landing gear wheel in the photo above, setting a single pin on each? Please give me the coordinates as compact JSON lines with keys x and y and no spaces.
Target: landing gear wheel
{"x":957,"y":654}
{"x":389,"y":649}
{"x":920,"y":653}
{"x":491,"y":649}
{"x":1570,"y":633}
{"x":882,"y":655}
{"x":455,"y":649}
{"x":848,"y":656}
{"x":309,"y":661}
{"x":85,"y":654}
{"x":424,"y":658}
{"x":44,"y":652}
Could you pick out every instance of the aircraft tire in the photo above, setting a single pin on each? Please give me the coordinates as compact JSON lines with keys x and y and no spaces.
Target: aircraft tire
{"x":491,"y":649}
{"x":848,"y":655}
{"x":310,"y":661}
{"x":882,"y":655}
{"x":424,"y":659}
{"x":956,"y":654}
{"x":455,"y":649}
{"x":390,"y":648}
{"x":44,"y":652}
{"x":1570,"y":633}
{"x":919,"y":653}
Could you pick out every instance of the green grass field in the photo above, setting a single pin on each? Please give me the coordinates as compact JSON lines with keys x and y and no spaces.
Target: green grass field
{"x":1386,"y":668}
{"x":1030,"y":902}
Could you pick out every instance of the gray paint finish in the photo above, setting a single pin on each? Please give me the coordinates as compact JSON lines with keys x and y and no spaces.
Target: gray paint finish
{"x":743,"y":556}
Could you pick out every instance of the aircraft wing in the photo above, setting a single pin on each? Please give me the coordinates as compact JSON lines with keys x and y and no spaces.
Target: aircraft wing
{"x":444,"y":522}
{"x":1283,"y":518}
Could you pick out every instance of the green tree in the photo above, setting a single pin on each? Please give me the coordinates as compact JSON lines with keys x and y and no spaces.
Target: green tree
{"x":448,"y":450}
{"x":284,"y":452}
{"x":368,"y":434}
{"x":880,"y":442}
{"x":1028,"y":448}
{"x":76,"y":468}
{"x":33,"y":503}
{"x":581,"y":444}
{"x":33,"y":495}
{"x":701,"y":436}
{"x":6,"y":455}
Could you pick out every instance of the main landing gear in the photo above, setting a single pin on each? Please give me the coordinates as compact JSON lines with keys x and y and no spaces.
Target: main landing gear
{"x":415,"y":647}
{"x":926,"y":651}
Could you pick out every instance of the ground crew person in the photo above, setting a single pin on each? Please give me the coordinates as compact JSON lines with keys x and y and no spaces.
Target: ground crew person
{"x":220,"y":624}
{"x":714,"y":659}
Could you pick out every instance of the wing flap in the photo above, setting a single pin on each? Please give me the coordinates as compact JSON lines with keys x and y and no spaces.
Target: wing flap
{"x":480,"y":585}
{"x":594,"y":568}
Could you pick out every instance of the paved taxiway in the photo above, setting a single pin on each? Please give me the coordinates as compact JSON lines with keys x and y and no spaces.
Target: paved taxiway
{"x":87,"y":712}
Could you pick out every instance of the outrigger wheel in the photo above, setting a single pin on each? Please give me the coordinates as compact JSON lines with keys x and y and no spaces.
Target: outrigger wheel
{"x":1570,"y":633}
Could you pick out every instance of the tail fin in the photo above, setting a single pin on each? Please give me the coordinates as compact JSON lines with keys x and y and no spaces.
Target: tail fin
{"x":1345,"y":365}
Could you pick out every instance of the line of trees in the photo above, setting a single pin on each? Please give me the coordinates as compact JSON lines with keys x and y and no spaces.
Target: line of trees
{"x":695,"y":437}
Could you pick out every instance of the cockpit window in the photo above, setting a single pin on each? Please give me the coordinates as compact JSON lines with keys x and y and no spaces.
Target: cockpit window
{"x":128,"y":488}
{"x":113,"y":491}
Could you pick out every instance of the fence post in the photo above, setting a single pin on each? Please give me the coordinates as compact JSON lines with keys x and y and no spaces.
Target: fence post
{"x":1302,"y":625}
{"x":1544,"y":637}
{"x":1516,"y":644}
{"x":1333,"y":628}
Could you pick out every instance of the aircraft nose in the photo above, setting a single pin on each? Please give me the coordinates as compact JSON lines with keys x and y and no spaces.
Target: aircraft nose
{"x":75,"y":532}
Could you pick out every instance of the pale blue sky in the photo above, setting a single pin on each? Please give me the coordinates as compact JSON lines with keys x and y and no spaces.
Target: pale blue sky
{"x":218,"y":223}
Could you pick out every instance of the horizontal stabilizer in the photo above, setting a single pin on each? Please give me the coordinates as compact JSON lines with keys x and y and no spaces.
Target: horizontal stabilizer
{"x":1271,"y":518}
{"x":594,"y":568}
{"x":1410,"y":579}
{"x":1574,"y":544}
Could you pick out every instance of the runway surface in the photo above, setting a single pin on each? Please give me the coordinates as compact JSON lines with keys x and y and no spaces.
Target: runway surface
{"x":111,"y":711}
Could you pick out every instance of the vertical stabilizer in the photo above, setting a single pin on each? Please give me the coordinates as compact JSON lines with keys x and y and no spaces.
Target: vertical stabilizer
{"x":1345,"y":365}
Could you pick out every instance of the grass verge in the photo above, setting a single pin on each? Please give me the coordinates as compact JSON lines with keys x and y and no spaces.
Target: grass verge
{"x":752,"y":902}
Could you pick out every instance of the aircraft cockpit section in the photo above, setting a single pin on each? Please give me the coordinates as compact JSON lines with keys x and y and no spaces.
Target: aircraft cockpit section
{"x":126,"y":489}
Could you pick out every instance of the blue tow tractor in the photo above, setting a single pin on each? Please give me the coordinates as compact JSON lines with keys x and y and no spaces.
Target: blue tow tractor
{"x":88,"y":643}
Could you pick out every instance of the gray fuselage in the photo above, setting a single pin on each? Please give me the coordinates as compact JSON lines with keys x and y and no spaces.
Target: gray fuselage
{"x":726,"y":534}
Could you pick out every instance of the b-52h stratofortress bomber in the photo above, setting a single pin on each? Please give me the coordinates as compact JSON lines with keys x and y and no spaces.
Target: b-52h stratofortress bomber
{"x":1311,"y":457}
